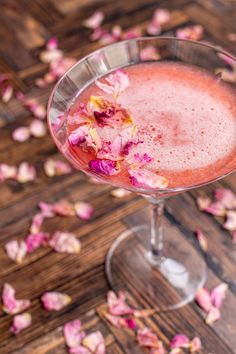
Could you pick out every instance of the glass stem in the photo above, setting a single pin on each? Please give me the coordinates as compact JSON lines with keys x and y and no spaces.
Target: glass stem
{"x":156,"y":241}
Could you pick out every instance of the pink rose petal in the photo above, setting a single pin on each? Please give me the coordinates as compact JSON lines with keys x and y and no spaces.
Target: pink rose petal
{"x":26,"y":173}
{"x":203,"y":203}
{"x":149,"y":53}
{"x":216,"y":209}
{"x":140,"y":159}
{"x":201,"y":239}
{"x":37,"y":128}
{"x":79,"y":350}
{"x":118,"y":321}
{"x":160,"y":17}
{"x":230,"y":223}
{"x":60,"y":66}
{"x":52,"y":52}
{"x":46,"y":209}
{"x":115,"y":83}
{"x":180,"y":341}
{"x":16,"y":250}
{"x":190,"y":32}
{"x":7,"y":172}
{"x":117,"y":304}
{"x":146,"y":338}
{"x":132,"y":33}
{"x":105,"y":167}
{"x":218,"y":295}
{"x":154,"y":28}
{"x":213,"y":315}
{"x":21,"y":322}
{"x":95,"y":343}
{"x":95,"y":20}
{"x":203,"y":299}
{"x":84,"y":210}
{"x":55,"y":301}
{"x":34,"y":241}
{"x":120,"y":193}
{"x":86,"y":137}
{"x":11,"y":305}
{"x":226,"y":197}
{"x":37,"y":109}
{"x":73,"y":334}
{"x":147,"y":179}
{"x":64,"y":242}
{"x":63,"y":208}
{"x":21,"y":134}
{"x":6,"y":89}
{"x":36,"y":223}
{"x":7,"y":93}
{"x":56,"y":168}
{"x":195,"y":345}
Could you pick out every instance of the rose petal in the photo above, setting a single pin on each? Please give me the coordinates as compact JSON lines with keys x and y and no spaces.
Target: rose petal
{"x":63,"y":208}
{"x":149,"y":53}
{"x":203,"y":203}
{"x":141,"y":159}
{"x":60,"y":66}
{"x":116,"y":83}
{"x":21,"y":134}
{"x":218,"y":295}
{"x":16,"y":250}
{"x":10,"y":304}
{"x":162,"y":16}
{"x":120,"y":193}
{"x":154,"y":28}
{"x":56,"y":168}
{"x":7,"y":172}
{"x":132,"y":33}
{"x":213,"y":315}
{"x":48,"y":56}
{"x":216,"y":208}
{"x":117,"y":304}
{"x":104,"y":167}
{"x":36,"y":223}
{"x":73,"y":334}
{"x":190,"y":32}
{"x":118,"y":321}
{"x":147,"y":179}
{"x":95,"y":20}
{"x":146,"y":338}
{"x":84,"y":210}
{"x":46,"y":209}
{"x":55,"y":301}
{"x":21,"y":322}
{"x":195,"y":345}
{"x":37,"y":128}
{"x":37,"y":109}
{"x":159,"y":350}
{"x":7,"y":93}
{"x":226,"y":197}
{"x":86,"y":137}
{"x":180,"y":341}
{"x":230,"y":223}
{"x":95,"y":342}
{"x":34,"y":241}
{"x":201,"y":239}
{"x":25,"y":173}
{"x":64,"y":242}
{"x":203,"y":299}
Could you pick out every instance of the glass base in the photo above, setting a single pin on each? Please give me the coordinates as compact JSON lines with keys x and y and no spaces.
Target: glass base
{"x":162,"y":285}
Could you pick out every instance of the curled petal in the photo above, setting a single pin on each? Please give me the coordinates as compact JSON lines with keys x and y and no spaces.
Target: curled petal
{"x":162,"y":16}
{"x":141,"y":159}
{"x":7,"y":93}
{"x":226,"y":197}
{"x":21,"y":134}
{"x":11,"y":305}
{"x":180,"y":341}
{"x":147,"y":179}
{"x":118,"y":321}
{"x":36,"y":223}
{"x":46,"y":209}
{"x":73,"y":334}
{"x":120,"y":193}
{"x":26,"y":173}
{"x":84,"y":210}
{"x":104,"y":167}
{"x":64,"y":242}
{"x":48,"y":56}
{"x":52,"y":43}
{"x":16,"y":250}
{"x":201,"y":239}
{"x":21,"y":322}
{"x":117,"y":305}
{"x":60,"y":66}
{"x":190,"y":32}
{"x":63,"y":208}
{"x":213,"y":315}
{"x":37,"y":109}
{"x":146,"y":338}
{"x":195,"y":345}
{"x":34,"y":241}
{"x":216,"y":209}
{"x":7,"y":172}
{"x":116,"y":83}
{"x":203,"y":299}
{"x":55,"y":301}
{"x":154,"y":28}
{"x":95,"y":342}
{"x":95,"y":20}
{"x":203,"y":203}
{"x":132,"y":33}
{"x":37,"y":128}
{"x":149,"y":53}
{"x":230,"y":223}
{"x":218,"y":295}
{"x":86,"y":137}
{"x":56,"y":168}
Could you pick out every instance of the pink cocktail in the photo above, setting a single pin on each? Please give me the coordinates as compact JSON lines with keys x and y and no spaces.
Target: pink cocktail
{"x":156,"y":127}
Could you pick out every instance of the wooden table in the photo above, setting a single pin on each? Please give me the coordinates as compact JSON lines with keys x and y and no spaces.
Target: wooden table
{"x":24,"y":27}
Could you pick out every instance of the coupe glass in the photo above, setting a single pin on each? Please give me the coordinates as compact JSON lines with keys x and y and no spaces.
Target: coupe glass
{"x":161,"y":267}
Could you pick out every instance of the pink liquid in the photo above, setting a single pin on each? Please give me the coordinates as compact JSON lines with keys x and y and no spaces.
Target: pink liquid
{"x":186,"y":119}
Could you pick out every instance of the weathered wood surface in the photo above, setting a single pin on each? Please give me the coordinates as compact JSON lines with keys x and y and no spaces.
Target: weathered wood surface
{"x":24,"y":28}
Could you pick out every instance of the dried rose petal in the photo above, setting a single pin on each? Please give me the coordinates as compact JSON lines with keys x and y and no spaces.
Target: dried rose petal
{"x":55,"y":301}
{"x":118,"y":321}
{"x":203,"y":299}
{"x":63,"y":208}
{"x":104,"y":167}
{"x":108,"y":38}
{"x":7,"y":93}
{"x":158,"y":350}
{"x":21,"y":134}
{"x":6,"y":89}
{"x":37,"y":109}
{"x":201,"y":239}
{"x":132,"y":33}
{"x":216,"y":208}
{"x":147,"y":179}
{"x":116,"y":83}
{"x":180,"y":341}
{"x":226,"y":197}
{"x":64,"y":242}
{"x":203,"y":203}
{"x":25,"y":173}
{"x":218,"y":295}
{"x":73,"y":334}
{"x":84,"y":210}
{"x":149,"y":53}
{"x":16,"y":250}
{"x":37,"y":128}
{"x":7,"y":172}
{"x":36,"y":223}
{"x":11,"y":305}
{"x":140,"y":159}
{"x":190,"y":32}
{"x":46,"y":209}
{"x":146,"y":338}
{"x":60,"y":66}
{"x":117,"y":304}
{"x":120,"y":193}
{"x":95,"y":342}
{"x":195,"y":345}
{"x":21,"y":322}
{"x":230,"y":223}
{"x":56,"y":168}
{"x":52,"y":52}
{"x":95,"y":20}
{"x":226,"y":75}
{"x":213,"y":315}
{"x":160,"y":17}
{"x":34,"y":241}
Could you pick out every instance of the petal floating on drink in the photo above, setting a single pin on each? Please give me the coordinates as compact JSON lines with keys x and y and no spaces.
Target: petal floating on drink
{"x":115,"y":83}
{"x":20,"y":322}
{"x":64,"y":242}
{"x":95,"y":342}
{"x":21,"y":134}
{"x":55,"y":301}
{"x":16,"y":250}
{"x":140,"y":159}
{"x":147,"y":179}
{"x":180,"y":341}
{"x":11,"y":305}
{"x":105,"y":167}
{"x":226,"y":197}
{"x":86,"y":137}
{"x":84,"y":210}
{"x":230,"y":223}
